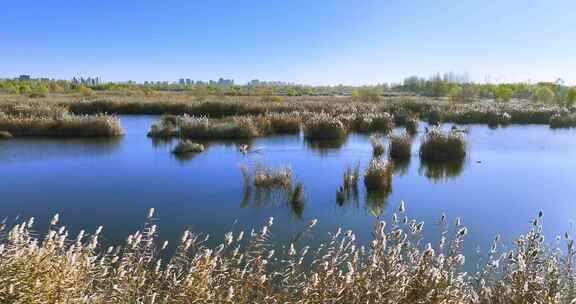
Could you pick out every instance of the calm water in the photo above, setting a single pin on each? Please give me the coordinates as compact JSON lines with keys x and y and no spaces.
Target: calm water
{"x":510,"y":174}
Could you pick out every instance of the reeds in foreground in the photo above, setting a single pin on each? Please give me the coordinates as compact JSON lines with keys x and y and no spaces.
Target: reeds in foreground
{"x":400,"y":147}
{"x":378,"y":175}
{"x":246,"y":268}
{"x":440,"y":146}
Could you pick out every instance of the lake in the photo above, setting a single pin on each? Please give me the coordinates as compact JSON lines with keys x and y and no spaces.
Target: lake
{"x":510,"y":174}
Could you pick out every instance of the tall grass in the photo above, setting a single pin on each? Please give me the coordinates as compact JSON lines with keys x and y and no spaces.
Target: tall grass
{"x":266,"y":177}
{"x":323,"y":126}
{"x":400,"y":146}
{"x":563,"y":121}
{"x":377,"y":146}
{"x":378,"y":175}
{"x":245,"y":268}
{"x":440,"y":146}
{"x":62,"y":126}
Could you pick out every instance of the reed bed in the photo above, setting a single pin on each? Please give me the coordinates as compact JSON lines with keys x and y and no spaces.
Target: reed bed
{"x":441,"y":146}
{"x":563,"y":121}
{"x":61,"y":126}
{"x":244,"y":268}
{"x":324,"y":126}
{"x":411,"y":125}
{"x":235,"y":127}
{"x":400,"y":147}
{"x":349,"y":186}
{"x":378,"y":175}
{"x":266,"y":177}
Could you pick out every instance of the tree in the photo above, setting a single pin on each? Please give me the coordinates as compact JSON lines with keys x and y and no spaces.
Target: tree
{"x":544,"y":94}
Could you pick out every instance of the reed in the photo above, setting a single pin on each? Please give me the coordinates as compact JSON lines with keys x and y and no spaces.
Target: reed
{"x":378,"y":175}
{"x":245,"y":268}
{"x":266,"y":177}
{"x":440,"y":146}
{"x":323,"y":126}
{"x":563,"y":121}
{"x":400,"y":147}
{"x":377,"y":146}
{"x":62,"y":126}
{"x":411,"y":125}
{"x":235,"y":127}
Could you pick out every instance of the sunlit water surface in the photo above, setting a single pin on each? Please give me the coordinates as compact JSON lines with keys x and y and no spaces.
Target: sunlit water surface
{"x":509,"y":175}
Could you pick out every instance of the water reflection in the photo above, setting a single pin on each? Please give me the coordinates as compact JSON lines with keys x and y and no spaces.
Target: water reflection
{"x":270,"y":197}
{"x":324,"y":146}
{"x":27,"y":149}
{"x":439,"y":171}
{"x":401,"y":166}
{"x":376,"y":201}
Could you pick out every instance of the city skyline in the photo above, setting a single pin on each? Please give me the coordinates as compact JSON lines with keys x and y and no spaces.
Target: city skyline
{"x":319,"y":43}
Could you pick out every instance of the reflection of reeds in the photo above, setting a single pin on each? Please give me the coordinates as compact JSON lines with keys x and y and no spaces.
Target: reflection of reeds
{"x":442,"y":170}
{"x":247,"y":268}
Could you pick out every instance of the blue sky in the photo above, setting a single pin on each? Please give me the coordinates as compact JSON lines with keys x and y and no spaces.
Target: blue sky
{"x":311,"y":42}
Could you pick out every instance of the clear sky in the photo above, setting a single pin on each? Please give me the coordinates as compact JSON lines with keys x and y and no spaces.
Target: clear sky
{"x":311,"y":42}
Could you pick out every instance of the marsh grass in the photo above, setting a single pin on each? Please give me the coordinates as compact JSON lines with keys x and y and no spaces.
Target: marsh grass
{"x":400,"y":147}
{"x":266,"y":177}
{"x":285,"y":123}
{"x":377,"y":146}
{"x":231,"y":128}
{"x":61,"y":126}
{"x":441,"y":146}
{"x":411,"y":125}
{"x":563,"y":121}
{"x":323,"y":126}
{"x":397,"y":267}
{"x":349,"y":187}
{"x":378,"y":175}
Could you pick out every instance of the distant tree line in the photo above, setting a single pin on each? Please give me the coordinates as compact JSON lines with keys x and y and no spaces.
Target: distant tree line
{"x":455,"y":88}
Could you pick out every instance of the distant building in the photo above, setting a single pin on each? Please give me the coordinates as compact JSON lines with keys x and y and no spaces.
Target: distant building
{"x":182,"y":81}
{"x":24,"y":77}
